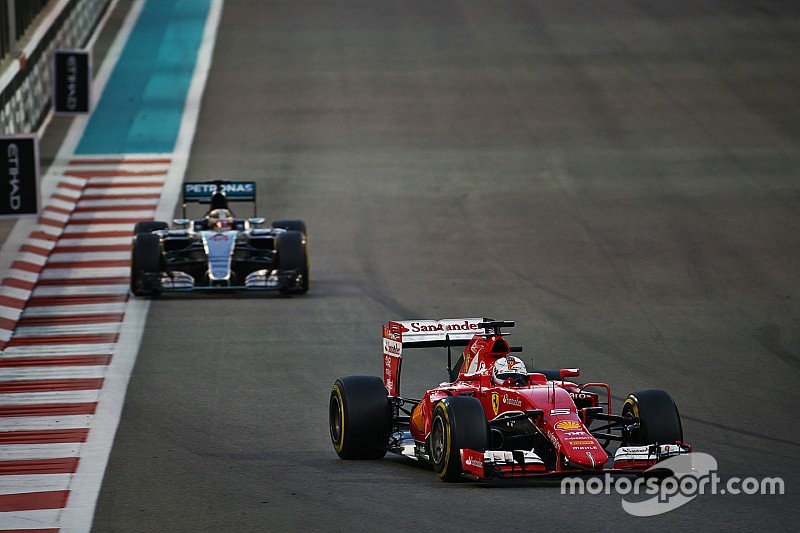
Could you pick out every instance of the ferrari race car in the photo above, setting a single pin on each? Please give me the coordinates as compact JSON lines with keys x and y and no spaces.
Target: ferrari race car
{"x":493,"y":419}
{"x":219,"y":251}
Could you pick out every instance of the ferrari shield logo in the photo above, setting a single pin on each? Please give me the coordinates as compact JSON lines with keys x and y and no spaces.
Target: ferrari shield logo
{"x":495,"y":402}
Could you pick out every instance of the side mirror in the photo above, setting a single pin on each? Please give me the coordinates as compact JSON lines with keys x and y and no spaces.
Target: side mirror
{"x":570,"y":373}
{"x":256,"y":221}
{"x":181,"y":223}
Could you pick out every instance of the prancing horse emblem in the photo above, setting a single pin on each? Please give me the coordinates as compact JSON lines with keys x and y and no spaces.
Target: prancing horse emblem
{"x":495,"y":402}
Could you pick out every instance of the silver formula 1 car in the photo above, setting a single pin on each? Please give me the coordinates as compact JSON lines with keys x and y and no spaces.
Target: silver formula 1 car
{"x":219,"y":251}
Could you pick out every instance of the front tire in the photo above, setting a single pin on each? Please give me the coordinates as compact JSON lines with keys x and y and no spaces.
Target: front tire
{"x":145,"y":263}
{"x":458,"y":422}
{"x":359,"y":417}
{"x":659,"y":420}
{"x":293,"y":255}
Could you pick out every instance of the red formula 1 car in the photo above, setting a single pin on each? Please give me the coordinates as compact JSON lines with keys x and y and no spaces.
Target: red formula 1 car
{"x":493,"y":419}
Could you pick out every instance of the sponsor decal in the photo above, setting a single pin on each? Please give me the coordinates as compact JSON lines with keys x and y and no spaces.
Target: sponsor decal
{"x":219,"y":237}
{"x":19,"y":175}
{"x":580,"y":434}
{"x":568,"y":424}
{"x":71,"y":81}
{"x":577,"y":442}
{"x":554,"y":440}
{"x":416,"y":327}
{"x":495,"y":402}
{"x":245,"y":189}
{"x":14,"y":199}
{"x":474,"y":462}
{"x":512,"y":401}
{"x":580,"y":395}
{"x":584,"y":447}
{"x":392,"y":347}
{"x":512,"y":362}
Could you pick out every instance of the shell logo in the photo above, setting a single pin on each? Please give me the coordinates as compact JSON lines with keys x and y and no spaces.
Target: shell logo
{"x":568,"y":424}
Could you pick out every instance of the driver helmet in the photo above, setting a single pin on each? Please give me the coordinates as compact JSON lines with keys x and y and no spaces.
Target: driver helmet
{"x":510,"y":367}
{"x":220,"y":219}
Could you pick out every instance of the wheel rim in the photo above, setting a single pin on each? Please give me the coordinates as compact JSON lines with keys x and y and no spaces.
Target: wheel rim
{"x":437,"y":440}
{"x":336,"y":420}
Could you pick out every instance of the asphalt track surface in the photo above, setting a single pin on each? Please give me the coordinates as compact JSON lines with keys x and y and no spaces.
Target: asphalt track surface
{"x":621,"y":179}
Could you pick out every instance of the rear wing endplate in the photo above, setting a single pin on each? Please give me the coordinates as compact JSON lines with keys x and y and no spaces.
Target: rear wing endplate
{"x":422,"y":334}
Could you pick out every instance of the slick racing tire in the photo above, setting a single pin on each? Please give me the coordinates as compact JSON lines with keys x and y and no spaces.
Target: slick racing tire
{"x":659,"y":420}
{"x":146,"y":226}
{"x":360,"y":417}
{"x":145,"y":259}
{"x":458,"y":422}
{"x":293,"y":255}
{"x":291,"y":225}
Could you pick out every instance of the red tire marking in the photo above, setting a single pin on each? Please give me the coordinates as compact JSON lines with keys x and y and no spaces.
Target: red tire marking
{"x":143,"y":196}
{"x":72,"y":186}
{"x":93,"y":248}
{"x":44,"y":436}
{"x":64,"y":197}
{"x":14,"y":303}
{"x":48,"y":409}
{"x":19,"y":284}
{"x":97,"y":338}
{"x":77,"y":299}
{"x":133,"y":207}
{"x":95,"y":318}
{"x":108,"y":263}
{"x":43,"y":236}
{"x":50,"y":222}
{"x":50,"y":385}
{"x":56,"y":360}
{"x":141,"y":184}
{"x":27,"y":267}
{"x":56,"y":209}
{"x":30,"y":501}
{"x":34,"y":250}
{"x":96,"y":234}
{"x":61,"y":465}
{"x":114,"y":173}
{"x":83,"y":281}
{"x":98,"y":221}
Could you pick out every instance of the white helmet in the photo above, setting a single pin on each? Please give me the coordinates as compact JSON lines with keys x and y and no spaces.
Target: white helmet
{"x":510,"y":367}
{"x":220,"y":219}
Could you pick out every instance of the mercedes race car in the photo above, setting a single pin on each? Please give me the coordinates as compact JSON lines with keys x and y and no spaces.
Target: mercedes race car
{"x":219,"y":251}
{"x":493,"y":419}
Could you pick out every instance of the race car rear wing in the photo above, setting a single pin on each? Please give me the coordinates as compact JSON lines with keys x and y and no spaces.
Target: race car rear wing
{"x":235,"y":191}
{"x":443,"y":333}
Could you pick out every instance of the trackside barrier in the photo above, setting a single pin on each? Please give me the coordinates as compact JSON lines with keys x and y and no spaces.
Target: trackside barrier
{"x":26,"y":84}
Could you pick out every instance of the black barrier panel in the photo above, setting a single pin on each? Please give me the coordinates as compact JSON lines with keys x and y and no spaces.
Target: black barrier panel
{"x":71,"y":81}
{"x":19,"y":175}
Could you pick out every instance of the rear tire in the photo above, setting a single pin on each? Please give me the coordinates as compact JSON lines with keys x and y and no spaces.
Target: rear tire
{"x":146,"y":226}
{"x":293,"y":255}
{"x":359,"y":417}
{"x":659,"y":420}
{"x":458,"y":422}
{"x":145,"y":259}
